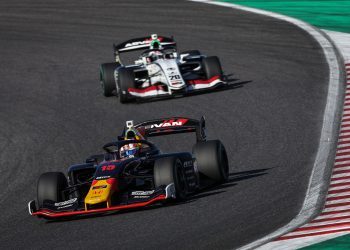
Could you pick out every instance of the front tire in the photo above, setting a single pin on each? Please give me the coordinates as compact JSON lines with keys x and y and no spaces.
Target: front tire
{"x":211,"y":158}
{"x":107,"y":78}
{"x":170,"y":170}
{"x":126,"y":80}
{"x":212,"y":67}
{"x":50,"y":187}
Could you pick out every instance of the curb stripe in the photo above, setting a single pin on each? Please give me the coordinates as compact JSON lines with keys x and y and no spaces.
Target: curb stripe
{"x":339,"y":191}
{"x":336,"y":210}
{"x":340,"y":178}
{"x":338,"y":165}
{"x":337,"y":205}
{"x":340,"y":168}
{"x":308,"y":228}
{"x":338,"y":194}
{"x":332,"y":219}
{"x":313,"y":234}
{"x":335,"y":216}
{"x":338,"y":198}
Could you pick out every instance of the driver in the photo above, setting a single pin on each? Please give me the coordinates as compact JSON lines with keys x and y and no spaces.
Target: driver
{"x":156,"y":48}
{"x":132,"y":149}
{"x":155,"y":55}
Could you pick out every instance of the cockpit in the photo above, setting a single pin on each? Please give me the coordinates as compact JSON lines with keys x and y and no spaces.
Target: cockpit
{"x":152,"y":55}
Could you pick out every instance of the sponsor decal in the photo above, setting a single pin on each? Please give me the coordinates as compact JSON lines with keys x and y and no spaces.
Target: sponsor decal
{"x":137,"y":43}
{"x":102,"y":177}
{"x":170,"y":123}
{"x":108,"y":168}
{"x":98,"y":192}
{"x":174,"y":77}
{"x":142,"y":192}
{"x":63,"y":203}
{"x":69,"y":205}
{"x":144,"y":42}
{"x":99,"y":187}
{"x":188,"y":164}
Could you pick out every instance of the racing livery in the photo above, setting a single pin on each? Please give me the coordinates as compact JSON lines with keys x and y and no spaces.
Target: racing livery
{"x":159,"y":71}
{"x":132,"y":172}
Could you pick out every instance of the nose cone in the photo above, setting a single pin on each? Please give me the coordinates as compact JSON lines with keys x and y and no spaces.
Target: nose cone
{"x":100,"y":192}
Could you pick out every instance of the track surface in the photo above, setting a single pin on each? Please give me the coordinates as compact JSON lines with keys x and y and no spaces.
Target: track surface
{"x":52,"y":114}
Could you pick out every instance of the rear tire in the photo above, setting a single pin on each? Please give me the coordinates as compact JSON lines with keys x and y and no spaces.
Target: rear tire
{"x":211,"y":67}
{"x":211,"y":158}
{"x":107,"y":79}
{"x":50,"y":187}
{"x":126,"y":80}
{"x":169,"y":170}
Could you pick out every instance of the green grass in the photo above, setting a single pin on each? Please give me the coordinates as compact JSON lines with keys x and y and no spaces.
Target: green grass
{"x":339,"y":243}
{"x":326,"y":14}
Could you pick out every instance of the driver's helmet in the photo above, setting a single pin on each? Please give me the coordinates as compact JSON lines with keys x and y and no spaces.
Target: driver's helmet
{"x":155,"y":55}
{"x":129,"y":150}
{"x":132,"y":149}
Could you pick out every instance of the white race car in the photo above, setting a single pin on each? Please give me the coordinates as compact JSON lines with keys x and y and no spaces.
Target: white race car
{"x":159,"y":71}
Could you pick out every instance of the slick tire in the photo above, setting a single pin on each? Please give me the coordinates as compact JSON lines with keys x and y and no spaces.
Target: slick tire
{"x":126,"y":80}
{"x":212,"y":160}
{"x":211,"y":67}
{"x":107,"y":79}
{"x":169,"y":170}
{"x":50,"y":187}
{"x":191,"y":52}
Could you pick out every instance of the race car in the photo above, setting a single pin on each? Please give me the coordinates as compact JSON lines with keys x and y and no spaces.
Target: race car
{"x":132,"y":173}
{"x":159,"y":71}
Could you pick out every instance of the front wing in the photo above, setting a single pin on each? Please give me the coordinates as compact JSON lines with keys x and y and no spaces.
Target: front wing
{"x":168,"y":193}
{"x":192,"y":86}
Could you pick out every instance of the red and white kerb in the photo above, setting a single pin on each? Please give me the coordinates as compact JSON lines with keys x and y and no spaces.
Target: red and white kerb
{"x":335,"y":216}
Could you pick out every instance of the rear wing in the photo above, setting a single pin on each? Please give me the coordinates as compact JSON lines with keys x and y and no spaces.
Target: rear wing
{"x":141,"y":43}
{"x":168,"y":126}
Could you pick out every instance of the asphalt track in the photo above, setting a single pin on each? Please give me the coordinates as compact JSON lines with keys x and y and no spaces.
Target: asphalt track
{"x":52,"y":114}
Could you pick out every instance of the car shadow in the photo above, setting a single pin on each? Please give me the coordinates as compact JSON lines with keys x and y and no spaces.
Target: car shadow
{"x":240,"y":176}
{"x":232,"y":181}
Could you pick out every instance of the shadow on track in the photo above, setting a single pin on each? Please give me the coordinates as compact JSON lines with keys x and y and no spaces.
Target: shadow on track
{"x":240,"y":176}
{"x":232,"y":181}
